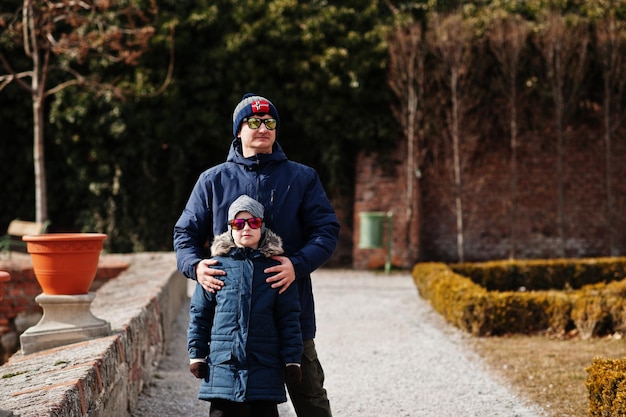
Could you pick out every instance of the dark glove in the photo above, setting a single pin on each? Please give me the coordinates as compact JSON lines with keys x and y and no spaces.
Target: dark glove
{"x":199,"y":369}
{"x":293,"y":375}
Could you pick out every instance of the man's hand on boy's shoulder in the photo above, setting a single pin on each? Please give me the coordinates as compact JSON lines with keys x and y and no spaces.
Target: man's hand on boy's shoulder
{"x":283,"y":275}
{"x":206,"y":275}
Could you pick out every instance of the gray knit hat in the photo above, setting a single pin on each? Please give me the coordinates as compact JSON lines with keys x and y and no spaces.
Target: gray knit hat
{"x":245,"y":203}
{"x":253,"y":104}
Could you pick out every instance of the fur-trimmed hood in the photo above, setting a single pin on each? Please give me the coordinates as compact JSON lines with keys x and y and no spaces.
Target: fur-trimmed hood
{"x":270,"y":245}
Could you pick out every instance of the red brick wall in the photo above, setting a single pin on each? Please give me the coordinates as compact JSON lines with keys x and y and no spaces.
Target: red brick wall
{"x":18,"y":293}
{"x":492,"y":229}
{"x":343,"y":253}
{"x":383,"y":188}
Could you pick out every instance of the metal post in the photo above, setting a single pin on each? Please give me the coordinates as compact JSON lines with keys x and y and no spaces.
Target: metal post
{"x":389,"y":237}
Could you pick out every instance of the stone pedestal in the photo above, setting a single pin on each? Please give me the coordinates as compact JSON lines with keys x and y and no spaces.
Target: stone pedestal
{"x":66,"y":319}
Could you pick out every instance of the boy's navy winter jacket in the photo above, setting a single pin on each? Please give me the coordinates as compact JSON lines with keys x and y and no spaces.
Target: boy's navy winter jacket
{"x":247,"y":331}
{"x":296,"y":209}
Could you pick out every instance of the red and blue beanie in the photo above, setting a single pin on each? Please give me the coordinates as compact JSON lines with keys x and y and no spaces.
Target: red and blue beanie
{"x":252,"y":104}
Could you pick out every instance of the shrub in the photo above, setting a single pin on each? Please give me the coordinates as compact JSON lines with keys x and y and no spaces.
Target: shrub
{"x":506,"y":305}
{"x":588,"y":312}
{"x":523,"y":297}
{"x":542,"y":274}
{"x":606,"y":384}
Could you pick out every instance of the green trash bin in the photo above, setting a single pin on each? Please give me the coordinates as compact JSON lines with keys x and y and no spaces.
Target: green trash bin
{"x":371,"y":231}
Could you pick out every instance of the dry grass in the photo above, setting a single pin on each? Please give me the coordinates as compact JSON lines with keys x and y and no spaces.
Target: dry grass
{"x":548,"y":371}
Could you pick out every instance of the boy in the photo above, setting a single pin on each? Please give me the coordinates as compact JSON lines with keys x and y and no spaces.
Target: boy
{"x":245,"y":341}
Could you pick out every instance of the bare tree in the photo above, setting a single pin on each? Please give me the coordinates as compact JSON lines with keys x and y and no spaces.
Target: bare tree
{"x":406,"y":80}
{"x":610,"y":45}
{"x":563,"y":44}
{"x":58,"y":38}
{"x":507,"y":38}
{"x":451,"y":41}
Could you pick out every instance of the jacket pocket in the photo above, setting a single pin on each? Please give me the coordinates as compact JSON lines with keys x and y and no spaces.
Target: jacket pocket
{"x":220,"y":353}
{"x":310,"y":353}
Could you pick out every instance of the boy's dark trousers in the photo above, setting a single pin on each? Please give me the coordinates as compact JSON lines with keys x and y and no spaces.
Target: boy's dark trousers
{"x":309,"y":399}
{"x":225,"y":408}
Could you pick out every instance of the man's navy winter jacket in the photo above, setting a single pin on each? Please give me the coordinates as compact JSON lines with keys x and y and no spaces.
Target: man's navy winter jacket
{"x":296,"y":209}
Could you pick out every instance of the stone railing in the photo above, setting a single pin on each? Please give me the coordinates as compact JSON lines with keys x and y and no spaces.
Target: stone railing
{"x":19,"y":310}
{"x":104,"y":376}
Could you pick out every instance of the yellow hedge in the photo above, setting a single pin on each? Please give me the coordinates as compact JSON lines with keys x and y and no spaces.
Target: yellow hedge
{"x":606,"y":384}
{"x":542,"y":274}
{"x":527,"y":296}
{"x":594,"y":308}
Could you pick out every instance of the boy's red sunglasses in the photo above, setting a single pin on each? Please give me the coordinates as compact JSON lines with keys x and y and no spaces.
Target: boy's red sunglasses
{"x":253,"y":222}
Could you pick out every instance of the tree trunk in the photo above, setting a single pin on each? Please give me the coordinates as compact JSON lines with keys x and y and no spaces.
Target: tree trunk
{"x":412,"y":149}
{"x":457,"y":164}
{"x":38,"y":85}
{"x":514,"y":196}
{"x":608,"y":168}
{"x":41,"y":195}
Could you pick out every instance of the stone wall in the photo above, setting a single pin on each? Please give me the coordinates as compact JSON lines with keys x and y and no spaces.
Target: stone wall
{"x":18,"y":309}
{"x":102,"y":377}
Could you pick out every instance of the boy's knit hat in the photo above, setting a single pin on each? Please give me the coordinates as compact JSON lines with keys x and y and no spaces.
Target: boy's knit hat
{"x":245,"y":203}
{"x":253,"y":104}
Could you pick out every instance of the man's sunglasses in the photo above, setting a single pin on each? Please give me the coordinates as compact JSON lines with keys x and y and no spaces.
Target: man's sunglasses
{"x":255,"y":123}
{"x":239,"y":224}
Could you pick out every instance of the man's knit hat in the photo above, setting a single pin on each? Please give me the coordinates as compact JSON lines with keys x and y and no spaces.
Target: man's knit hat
{"x":253,"y":104}
{"x":245,"y":203}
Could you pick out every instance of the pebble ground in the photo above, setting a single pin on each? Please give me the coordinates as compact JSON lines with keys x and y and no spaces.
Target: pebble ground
{"x":384,"y":351}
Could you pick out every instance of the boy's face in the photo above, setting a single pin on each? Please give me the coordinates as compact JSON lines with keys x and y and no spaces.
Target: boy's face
{"x":246,"y":237}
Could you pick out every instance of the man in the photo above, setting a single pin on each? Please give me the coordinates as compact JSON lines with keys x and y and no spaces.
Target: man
{"x":296,"y":209}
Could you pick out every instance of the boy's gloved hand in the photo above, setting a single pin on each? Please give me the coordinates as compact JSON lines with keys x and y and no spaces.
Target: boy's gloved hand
{"x":293,"y":375}
{"x":199,"y":369}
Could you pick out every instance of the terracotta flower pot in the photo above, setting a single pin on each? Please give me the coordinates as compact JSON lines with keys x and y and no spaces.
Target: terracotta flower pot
{"x":65,"y":263}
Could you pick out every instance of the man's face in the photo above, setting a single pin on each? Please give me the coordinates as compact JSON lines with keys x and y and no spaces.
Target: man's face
{"x":259,"y":140}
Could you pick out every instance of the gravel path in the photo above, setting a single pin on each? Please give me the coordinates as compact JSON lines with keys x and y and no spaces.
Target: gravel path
{"x":385,"y":353}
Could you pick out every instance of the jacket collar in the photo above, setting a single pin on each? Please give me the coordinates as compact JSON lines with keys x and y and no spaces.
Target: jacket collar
{"x":271,"y":244}
{"x":259,"y":160}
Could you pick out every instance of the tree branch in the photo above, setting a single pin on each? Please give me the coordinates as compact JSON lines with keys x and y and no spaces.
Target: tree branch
{"x":13,"y":76}
{"x":170,"y":68}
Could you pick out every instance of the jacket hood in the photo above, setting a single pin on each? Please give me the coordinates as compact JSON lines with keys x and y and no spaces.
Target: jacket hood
{"x":270,"y":245}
